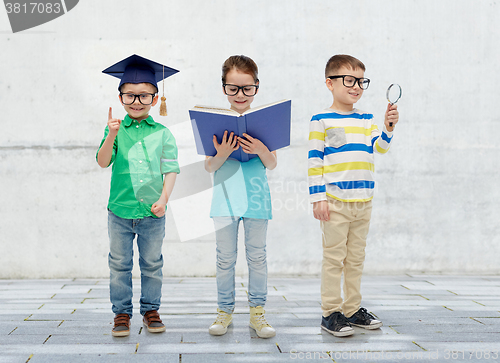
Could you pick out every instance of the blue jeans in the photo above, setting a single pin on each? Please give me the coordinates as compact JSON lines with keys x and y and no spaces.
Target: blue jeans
{"x":226,"y":232}
{"x":150,"y":232}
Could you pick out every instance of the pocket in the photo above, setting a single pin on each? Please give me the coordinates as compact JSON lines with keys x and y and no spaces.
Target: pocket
{"x":335,"y":137}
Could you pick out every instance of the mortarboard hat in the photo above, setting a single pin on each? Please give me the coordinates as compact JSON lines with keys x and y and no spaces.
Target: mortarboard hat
{"x":136,"y":69}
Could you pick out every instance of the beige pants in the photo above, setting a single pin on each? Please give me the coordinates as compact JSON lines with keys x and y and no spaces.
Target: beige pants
{"x":344,"y":242}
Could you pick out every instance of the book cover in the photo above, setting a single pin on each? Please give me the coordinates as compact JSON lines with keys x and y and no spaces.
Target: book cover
{"x":269,"y":123}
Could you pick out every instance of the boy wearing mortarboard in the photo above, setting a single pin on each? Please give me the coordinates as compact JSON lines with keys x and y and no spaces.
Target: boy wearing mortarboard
{"x":144,"y":158}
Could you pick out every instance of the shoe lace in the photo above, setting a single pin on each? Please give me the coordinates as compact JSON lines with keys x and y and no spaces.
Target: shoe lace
{"x":341,"y":319}
{"x":365,"y":314}
{"x":261,"y":321}
{"x":221,"y":317}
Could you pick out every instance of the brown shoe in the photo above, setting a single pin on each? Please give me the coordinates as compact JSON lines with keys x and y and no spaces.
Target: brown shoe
{"x":122,"y":326}
{"x":153,"y":322}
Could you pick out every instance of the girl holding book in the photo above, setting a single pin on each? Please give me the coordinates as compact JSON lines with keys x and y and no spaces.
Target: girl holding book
{"x":241,"y":194}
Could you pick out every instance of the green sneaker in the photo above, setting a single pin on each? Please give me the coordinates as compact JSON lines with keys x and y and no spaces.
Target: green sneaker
{"x":223,"y":320}
{"x":259,"y":324}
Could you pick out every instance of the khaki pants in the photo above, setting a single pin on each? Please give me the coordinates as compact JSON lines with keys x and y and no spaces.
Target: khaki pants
{"x":344,"y":242}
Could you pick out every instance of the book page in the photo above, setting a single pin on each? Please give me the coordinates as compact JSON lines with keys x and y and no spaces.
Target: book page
{"x":216,"y":110}
{"x":263,"y":106}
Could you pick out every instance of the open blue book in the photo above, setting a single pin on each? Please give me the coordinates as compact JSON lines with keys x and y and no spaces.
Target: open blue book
{"x":268,"y":123}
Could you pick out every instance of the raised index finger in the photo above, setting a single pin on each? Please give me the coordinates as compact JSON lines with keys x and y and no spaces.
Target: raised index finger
{"x":110,"y":115}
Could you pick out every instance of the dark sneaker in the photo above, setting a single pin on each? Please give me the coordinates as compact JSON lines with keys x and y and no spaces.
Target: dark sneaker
{"x":364,"y":319}
{"x":153,"y":322}
{"x":122,"y":326}
{"x":337,"y":324}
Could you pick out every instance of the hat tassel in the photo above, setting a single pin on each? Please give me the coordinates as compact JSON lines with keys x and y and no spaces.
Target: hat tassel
{"x":163,"y":104}
{"x":163,"y":107}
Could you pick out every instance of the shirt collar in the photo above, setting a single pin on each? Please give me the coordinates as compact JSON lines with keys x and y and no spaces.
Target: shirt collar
{"x":127,"y":121}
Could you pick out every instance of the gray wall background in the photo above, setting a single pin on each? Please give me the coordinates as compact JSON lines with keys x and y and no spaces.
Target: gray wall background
{"x":436,"y":205}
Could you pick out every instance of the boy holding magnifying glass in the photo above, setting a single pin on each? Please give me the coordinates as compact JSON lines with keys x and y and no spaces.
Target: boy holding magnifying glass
{"x":342,"y":140}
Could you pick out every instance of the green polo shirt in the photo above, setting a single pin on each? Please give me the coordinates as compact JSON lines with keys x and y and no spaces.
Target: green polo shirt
{"x":142,"y":153}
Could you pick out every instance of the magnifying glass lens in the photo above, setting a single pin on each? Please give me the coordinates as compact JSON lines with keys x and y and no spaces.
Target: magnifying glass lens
{"x":393,"y":93}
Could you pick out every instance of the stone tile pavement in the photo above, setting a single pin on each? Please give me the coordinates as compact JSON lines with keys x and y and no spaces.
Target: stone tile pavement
{"x":426,"y":319}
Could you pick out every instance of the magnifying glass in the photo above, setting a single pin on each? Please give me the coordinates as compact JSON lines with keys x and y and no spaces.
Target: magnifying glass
{"x":393,"y":94}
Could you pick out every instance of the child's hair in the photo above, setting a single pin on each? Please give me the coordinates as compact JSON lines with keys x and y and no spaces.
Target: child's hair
{"x":342,"y":60}
{"x":243,"y":64}
{"x":154,"y":86}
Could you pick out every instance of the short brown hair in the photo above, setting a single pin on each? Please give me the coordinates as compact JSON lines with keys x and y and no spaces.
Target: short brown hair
{"x":342,"y":60}
{"x":242,"y":63}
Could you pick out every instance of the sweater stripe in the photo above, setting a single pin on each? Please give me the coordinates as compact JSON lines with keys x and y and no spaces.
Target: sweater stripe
{"x":340,"y":158}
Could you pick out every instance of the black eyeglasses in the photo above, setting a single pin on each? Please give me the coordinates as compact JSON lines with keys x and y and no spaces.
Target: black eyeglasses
{"x":350,"y":81}
{"x":232,"y":89}
{"x":144,"y":98}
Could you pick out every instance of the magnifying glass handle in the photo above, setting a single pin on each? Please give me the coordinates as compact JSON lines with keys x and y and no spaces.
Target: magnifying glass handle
{"x":391,"y":123}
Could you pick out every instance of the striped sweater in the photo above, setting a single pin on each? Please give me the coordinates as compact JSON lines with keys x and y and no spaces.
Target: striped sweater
{"x":341,"y":163}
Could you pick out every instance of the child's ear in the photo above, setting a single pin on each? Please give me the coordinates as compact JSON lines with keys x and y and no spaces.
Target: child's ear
{"x":329,"y":84}
{"x":120,"y":99}
{"x":155,"y":101}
